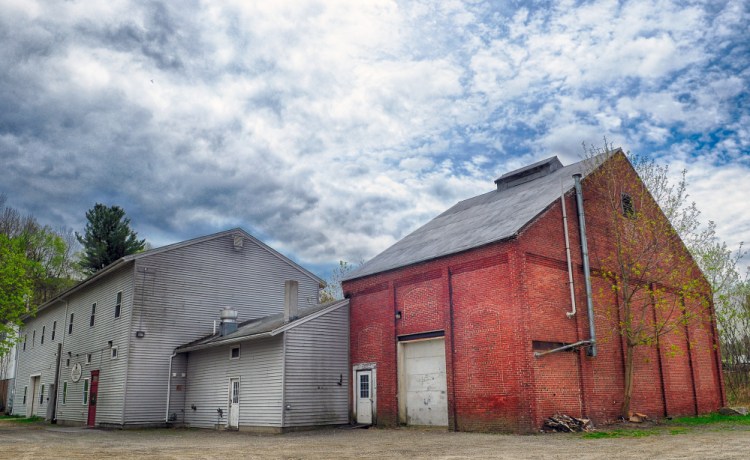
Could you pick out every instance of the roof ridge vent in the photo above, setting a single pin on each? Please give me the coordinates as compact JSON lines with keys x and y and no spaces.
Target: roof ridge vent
{"x":528,"y":173}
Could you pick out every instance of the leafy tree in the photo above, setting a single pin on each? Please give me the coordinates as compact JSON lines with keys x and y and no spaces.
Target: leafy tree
{"x":643,"y":262}
{"x":332,"y":291}
{"x":51,"y":249}
{"x":16,"y":288}
{"x":107,"y":237}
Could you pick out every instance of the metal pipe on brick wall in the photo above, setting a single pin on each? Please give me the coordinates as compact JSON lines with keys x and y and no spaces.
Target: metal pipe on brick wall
{"x":572,"y":312}
{"x":586,"y":268}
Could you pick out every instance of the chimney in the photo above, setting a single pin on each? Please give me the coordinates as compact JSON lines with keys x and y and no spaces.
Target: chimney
{"x":290,"y":300}
{"x":228,"y":321}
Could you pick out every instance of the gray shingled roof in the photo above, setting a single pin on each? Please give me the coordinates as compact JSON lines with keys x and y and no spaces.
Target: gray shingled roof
{"x":266,"y":326}
{"x":490,"y":217}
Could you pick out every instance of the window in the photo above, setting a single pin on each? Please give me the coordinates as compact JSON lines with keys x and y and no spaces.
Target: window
{"x":88,"y":358}
{"x":70,"y":326}
{"x":41,"y":342}
{"x":118,"y":304}
{"x":41,"y":395}
{"x":234,"y":353}
{"x":65,"y":392}
{"x":85,"y":391}
{"x":25,"y":389}
{"x":67,"y":362}
{"x":364,"y":386}
{"x":235,"y":391}
{"x":113,"y":353}
{"x":628,"y":209}
{"x":24,"y":341}
{"x":93,"y":314}
{"x":33,"y":339}
{"x":54,"y":329}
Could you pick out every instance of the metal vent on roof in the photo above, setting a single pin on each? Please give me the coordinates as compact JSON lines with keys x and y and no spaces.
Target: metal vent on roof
{"x":528,"y":173}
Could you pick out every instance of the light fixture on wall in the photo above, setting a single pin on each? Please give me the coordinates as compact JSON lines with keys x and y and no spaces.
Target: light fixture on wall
{"x":140,"y":334}
{"x":398,"y":314}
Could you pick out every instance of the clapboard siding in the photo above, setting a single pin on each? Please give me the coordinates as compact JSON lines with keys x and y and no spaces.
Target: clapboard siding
{"x":84,"y":340}
{"x":37,"y":359}
{"x":178,"y":295}
{"x":259,"y":368}
{"x":317,"y":371}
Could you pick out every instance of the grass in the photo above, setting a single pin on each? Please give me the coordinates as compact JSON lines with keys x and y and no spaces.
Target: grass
{"x":710,"y":419}
{"x":19,"y":419}
{"x":620,"y":433}
{"x":676,"y":426}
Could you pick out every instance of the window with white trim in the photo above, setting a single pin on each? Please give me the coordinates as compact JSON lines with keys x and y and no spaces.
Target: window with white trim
{"x":65,"y":392}
{"x":88,"y":358}
{"x":54,"y":329}
{"x":25,"y":390}
{"x":118,"y":305}
{"x":113,"y":353}
{"x":234,"y":353}
{"x":93,"y":314}
{"x":44,"y":328}
{"x":85,"y":391}
{"x":70,"y":326}
{"x":41,"y":395}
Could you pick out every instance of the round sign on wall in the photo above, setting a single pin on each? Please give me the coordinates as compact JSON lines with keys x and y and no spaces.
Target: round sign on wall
{"x":75,"y":373}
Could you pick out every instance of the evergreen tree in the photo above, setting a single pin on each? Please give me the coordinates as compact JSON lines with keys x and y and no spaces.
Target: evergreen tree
{"x":107,"y":237}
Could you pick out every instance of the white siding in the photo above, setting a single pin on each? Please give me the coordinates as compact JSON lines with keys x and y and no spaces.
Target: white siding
{"x":259,"y":368}
{"x":317,"y":371}
{"x":178,"y":295}
{"x":76,"y":346}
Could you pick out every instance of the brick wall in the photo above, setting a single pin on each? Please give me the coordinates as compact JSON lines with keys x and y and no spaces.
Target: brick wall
{"x":494,"y":302}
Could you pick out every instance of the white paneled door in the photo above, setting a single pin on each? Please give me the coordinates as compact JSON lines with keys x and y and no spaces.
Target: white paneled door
{"x":364,"y":396}
{"x":234,"y":403}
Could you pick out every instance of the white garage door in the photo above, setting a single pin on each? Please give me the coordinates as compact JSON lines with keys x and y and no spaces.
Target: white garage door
{"x":426,"y":389}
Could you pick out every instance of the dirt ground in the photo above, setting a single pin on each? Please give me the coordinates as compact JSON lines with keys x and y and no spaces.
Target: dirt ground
{"x":41,"y":441}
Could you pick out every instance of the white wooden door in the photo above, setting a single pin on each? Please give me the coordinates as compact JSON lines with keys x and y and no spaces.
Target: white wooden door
{"x":364,"y":396}
{"x":426,"y":386}
{"x":33,"y":408}
{"x":234,"y":403}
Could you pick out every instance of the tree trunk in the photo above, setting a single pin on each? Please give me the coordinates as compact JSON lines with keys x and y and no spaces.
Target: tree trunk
{"x":628,"y":390}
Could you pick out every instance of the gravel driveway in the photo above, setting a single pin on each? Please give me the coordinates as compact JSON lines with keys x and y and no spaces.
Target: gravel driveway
{"x":42,"y":441}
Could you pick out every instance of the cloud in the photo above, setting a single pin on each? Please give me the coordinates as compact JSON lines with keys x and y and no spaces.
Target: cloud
{"x":332,"y":129}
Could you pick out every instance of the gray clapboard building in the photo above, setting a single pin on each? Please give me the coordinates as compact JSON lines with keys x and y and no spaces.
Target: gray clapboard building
{"x":139,"y":344}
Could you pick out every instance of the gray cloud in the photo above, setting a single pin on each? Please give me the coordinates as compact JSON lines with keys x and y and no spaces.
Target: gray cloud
{"x":331,"y":129}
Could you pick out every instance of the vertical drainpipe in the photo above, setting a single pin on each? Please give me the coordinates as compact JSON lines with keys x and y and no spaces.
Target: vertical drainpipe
{"x":586,"y":268}
{"x":169,"y":387}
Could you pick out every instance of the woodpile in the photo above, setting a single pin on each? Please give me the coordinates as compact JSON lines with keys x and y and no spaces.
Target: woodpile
{"x":566,"y":424}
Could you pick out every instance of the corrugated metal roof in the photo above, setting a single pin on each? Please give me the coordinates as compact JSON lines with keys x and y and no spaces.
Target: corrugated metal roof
{"x":487,"y":218}
{"x":263,"y":327}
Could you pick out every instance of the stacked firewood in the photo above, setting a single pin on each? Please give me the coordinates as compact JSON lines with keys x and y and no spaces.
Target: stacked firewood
{"x":567,"y":424}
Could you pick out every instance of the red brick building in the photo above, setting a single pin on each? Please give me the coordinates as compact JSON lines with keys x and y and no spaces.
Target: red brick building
{"x":448,"y":324}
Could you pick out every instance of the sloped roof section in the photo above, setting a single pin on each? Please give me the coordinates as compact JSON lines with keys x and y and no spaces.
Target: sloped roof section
{"x":494,"y":216}
{"x":267,"y":326}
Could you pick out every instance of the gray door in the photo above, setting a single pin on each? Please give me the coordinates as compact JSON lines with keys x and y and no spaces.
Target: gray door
{"x":426,"y":386}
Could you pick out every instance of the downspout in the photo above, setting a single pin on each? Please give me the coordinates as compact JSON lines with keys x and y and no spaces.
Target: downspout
{"x":15,"y":373}
{"x":586,"y":268}
{"x":572,"y":312}
{"x":169,"y":386}
{"x":59,"y":358}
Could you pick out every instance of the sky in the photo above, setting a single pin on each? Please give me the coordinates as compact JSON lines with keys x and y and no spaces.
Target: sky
{"x":331,"y":129}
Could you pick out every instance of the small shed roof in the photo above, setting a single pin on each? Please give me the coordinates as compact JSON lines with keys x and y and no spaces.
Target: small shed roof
{"x":493,"y":216}
{"x":267,"y":326}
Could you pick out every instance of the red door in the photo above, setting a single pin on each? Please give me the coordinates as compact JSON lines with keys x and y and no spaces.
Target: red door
{"x":93,"y":389}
